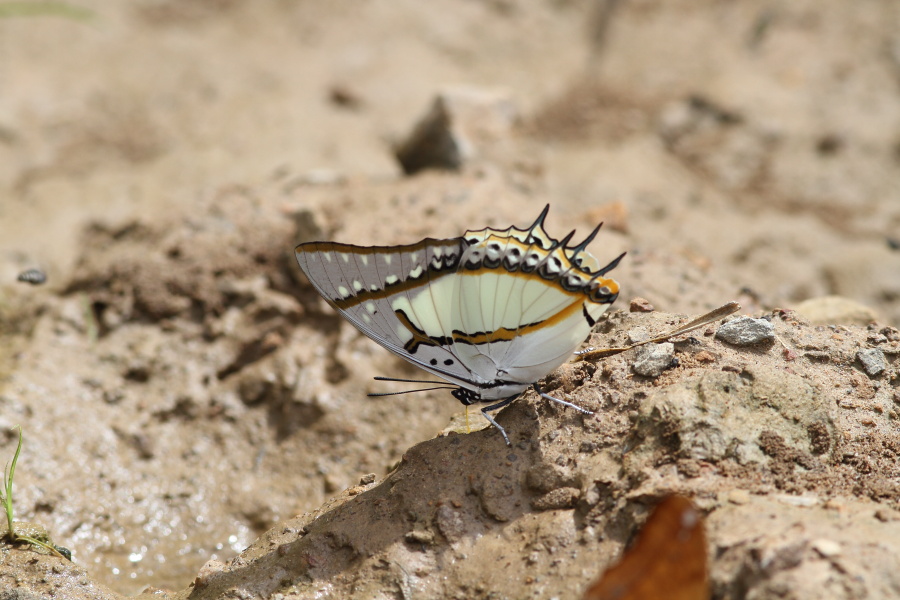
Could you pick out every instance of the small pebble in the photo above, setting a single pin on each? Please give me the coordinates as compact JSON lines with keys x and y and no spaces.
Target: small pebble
{"x":873,"y":361}
{"x":32,"y":276}
{"x":651,"y":360}
{"x":826,"y":548}
{"x":705,"y":356}
{"x":738,"y":497}
{"x":639,"y":304}
{"x":746,"y":331}
{"x":419,"y":537}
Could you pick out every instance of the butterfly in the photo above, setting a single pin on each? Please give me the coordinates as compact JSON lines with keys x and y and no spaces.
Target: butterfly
{"x":490,"y":312}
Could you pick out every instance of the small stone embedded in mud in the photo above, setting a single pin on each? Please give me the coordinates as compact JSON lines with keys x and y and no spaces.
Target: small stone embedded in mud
{"x":651,"y":360}
{"x":208,"y":572}
{"x":873,"y":361}
{"x":546,"y":477}
{"x":818,"y":356}
{"x":636,"y":335}
{"x":450,"y":523}
{"x":738,"y":496}
{"x":419,"y":537}
{"x":32,"y":276}
{"x":565,"y":497}
{"x":367,"y":479}
{"x":705,"y":356}
{"x":826,"y":548}
{"x":746,"y":331}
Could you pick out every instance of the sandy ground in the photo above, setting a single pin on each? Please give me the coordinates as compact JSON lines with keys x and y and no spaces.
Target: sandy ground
{"x":185,"y":394}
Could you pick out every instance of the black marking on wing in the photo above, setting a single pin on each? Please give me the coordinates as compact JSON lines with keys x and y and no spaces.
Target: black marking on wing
{"x":587,"y":317}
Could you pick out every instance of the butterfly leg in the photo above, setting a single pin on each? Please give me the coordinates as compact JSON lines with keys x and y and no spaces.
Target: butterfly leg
{"x":491,"y":420}
{"x":563,"y":402}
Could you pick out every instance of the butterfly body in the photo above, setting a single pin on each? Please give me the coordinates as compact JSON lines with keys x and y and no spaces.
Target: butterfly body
{"x":492,"y":311}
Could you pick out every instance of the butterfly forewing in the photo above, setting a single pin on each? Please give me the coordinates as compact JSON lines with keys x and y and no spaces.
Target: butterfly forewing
{"x":394,"y":295}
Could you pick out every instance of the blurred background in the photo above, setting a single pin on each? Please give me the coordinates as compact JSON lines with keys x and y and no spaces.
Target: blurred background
{"x":180,"y":386}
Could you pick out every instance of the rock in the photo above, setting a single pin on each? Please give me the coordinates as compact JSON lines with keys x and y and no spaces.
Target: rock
{"x":873,"y":361}
{"x":546,"y":477}
{"x":452,"y":524}
{"x":560,"y":498}
{"x":746,"y":331}
{"x":32,"y":276}
{"x":826,"y":548}
{"x":836,"y":310}
{"x":458,"y":121}
{"x":724,"y":415}
{"x":651,"y":360}
{"x":738,"y":496}
{"x":639,"y":304}
{"x":425,"y":538}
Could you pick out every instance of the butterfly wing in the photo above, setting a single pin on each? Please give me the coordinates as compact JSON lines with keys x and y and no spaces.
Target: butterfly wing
{"x":526,"y":301}
{"x":400,"y":296}
{"x":493,"y":311}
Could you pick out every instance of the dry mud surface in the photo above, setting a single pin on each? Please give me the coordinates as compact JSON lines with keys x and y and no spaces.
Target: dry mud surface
{"x":195,"y":417}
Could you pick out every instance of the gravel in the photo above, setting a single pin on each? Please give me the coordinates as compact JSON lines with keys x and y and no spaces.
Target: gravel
{"x":746,"y":331}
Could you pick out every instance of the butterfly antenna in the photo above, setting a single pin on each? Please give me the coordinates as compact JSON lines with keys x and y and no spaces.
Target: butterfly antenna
{"x":379,"y":378}
{"x":437,"y":385}
{"x":380,"y":394}
{"x":610,"y":266}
